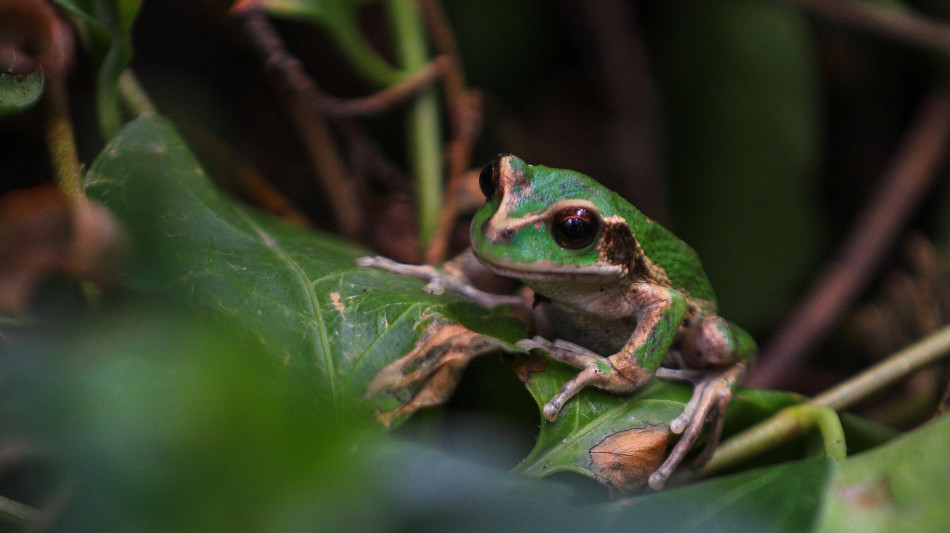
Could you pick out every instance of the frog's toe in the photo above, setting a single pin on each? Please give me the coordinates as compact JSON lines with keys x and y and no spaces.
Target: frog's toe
{"x":708,"y":404}
{"x":551,"y":410}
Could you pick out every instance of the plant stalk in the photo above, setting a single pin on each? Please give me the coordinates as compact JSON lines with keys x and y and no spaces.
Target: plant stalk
{"x":61,"y":142}
{"x":788,"y":423}
{"x":425,"y":143}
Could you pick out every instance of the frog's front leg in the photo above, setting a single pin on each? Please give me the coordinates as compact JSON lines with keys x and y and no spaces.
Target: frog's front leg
{"x":453,"y":275}
{"x":659,"y":313}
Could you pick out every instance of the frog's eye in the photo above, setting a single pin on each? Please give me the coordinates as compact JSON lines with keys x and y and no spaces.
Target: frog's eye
{"x":575,"y":227}
{"x":488,"y":179}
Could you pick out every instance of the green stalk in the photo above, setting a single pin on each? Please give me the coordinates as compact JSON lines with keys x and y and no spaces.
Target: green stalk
{"x":12,"y":511}
{"x":60,"y":141}
{"x":425,"y":142}
{"x":134,"y":97}
{"x":794,"y":421}
{"x":361,"y":55}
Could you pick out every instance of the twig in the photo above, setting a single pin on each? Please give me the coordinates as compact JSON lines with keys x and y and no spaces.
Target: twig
{"x":847,"y":394}
{"x":313,"y":129}
{"x":382,"y":100}
{"x":901,"y":25}
{"x":874,"y":231}
{"x":465,"y":120}
{"x":133,"y":96}
{"x":246,"y":179}
{"x":16,"y":512}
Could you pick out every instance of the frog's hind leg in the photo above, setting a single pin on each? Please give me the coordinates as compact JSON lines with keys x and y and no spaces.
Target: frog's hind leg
{"x":711,"y":396}
{"x":716,"y":343}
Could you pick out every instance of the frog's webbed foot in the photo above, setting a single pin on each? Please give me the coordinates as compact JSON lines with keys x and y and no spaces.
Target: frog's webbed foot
{"x":711,"y":396}
{"x":596,"y":370}
{"x":438,"y":280}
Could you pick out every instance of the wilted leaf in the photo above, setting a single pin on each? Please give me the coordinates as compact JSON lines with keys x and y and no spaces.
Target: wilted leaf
{"x":41,"y":234}
{"x":300,"y":292}
{"x":428,"y":374}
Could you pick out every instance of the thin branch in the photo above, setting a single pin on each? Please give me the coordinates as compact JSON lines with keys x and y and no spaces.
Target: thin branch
{"x":874,"y":232}
{"x":133,"y":96}
{"x":383,"y":100}
{"x":905,"y":26}
{"x":313,"y":129}
{"x":465,"y":121}
{"x":16,"y":512}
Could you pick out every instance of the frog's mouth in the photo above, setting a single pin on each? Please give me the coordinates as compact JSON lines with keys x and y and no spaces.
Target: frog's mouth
{"x":546,"y":270}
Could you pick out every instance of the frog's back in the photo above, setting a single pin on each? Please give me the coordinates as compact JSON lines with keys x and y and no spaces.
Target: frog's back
{"x":678,"y":259}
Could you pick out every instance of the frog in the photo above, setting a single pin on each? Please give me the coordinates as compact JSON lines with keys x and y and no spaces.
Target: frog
{"x":624,"y":300}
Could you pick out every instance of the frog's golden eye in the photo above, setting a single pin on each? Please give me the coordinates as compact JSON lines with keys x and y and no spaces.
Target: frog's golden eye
{"x":488,"y":179}
{"x":575,"y":227}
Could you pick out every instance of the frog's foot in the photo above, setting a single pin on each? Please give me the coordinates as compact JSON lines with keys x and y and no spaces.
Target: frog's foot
{"x":438,"y":280}
{"x":596,"y":370}
{"x":711,"y":396}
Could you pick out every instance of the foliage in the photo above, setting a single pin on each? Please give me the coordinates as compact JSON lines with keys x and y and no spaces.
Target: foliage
{"x":230,"y":380}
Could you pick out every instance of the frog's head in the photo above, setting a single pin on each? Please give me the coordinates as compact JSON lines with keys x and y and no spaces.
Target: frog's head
{"x":541,"y":223}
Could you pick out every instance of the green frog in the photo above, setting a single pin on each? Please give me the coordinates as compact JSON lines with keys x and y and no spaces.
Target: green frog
{"x":624,"y":299}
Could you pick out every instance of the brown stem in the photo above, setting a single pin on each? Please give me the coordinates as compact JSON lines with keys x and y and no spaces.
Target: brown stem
{"x":897,"y":24}
{"x":313,"y":129}
{"x":465,"y":121}
{"x":875,"y":230}
{"x":247,"y":180}
{"x":382,"y":100}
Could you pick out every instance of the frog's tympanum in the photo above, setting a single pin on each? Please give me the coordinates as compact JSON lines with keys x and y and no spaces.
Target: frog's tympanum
{"x":624,"y":299}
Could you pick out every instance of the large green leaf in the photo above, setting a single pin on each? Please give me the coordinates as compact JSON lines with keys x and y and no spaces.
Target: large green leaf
{"x":595,"y":427}
{"x":298,"y":291}
{"x":18,"y":93}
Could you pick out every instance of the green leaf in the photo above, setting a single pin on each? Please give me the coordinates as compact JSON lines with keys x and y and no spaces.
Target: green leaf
{"x":590,"y":423}
{"x":299,"y":292}
{"x":786,"y":497}
{"x":18,"y":93}
{"x":109,"y":45}
{"x":901,"y":486}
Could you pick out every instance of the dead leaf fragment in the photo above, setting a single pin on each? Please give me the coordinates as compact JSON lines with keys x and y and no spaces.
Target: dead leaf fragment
{"x":42,"y":234}
{"x":33,"y":35}
{"x":428,"y":374}
{"x":624,"y":460}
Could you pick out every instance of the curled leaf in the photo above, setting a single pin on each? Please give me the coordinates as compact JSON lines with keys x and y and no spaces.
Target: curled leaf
{"x":428,"y":374}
